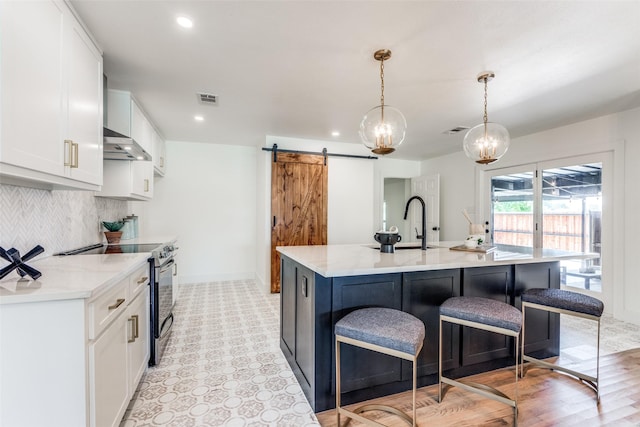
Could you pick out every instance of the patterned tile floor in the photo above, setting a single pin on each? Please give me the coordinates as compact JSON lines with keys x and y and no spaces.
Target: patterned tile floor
{"x":223,"y":365}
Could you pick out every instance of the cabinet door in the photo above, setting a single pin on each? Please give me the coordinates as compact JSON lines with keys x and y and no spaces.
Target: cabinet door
{"x":362,"y":368}
{"x":109,"y":379}
{"x":140,"y":127}
{"x":142,"y":179}
{"x":304,"y":331}
{"x":138,"y":337}
{"x":84,"y":105}
{"x":288,"y":304}
{"x":543,"y":328}
{"x":129,"y":180}
{"x":31,"y":85}
{"x":422,"y":294}
{"x":159,"y":153}
{"x":488,"y":282}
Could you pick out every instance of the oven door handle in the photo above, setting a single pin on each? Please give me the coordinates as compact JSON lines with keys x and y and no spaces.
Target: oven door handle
{"x":167,"y":265}
{"x":163,"y":332}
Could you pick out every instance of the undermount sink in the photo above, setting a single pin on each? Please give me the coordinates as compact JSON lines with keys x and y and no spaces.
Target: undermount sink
{"x":397,"y":248}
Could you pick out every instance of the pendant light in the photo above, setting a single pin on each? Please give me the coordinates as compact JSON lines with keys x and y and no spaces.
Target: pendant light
{"x":486,"y":142}
{"x":383,"y":128}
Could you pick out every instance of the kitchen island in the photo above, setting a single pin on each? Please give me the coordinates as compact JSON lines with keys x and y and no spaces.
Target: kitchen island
{"x":321,"y":284}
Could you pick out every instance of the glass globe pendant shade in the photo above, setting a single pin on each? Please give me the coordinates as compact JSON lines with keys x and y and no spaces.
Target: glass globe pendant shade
{"x":383,"y":129}
{"x":486,"y":142}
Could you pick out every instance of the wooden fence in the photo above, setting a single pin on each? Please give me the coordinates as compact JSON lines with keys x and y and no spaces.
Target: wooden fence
{"x":561,"y":231}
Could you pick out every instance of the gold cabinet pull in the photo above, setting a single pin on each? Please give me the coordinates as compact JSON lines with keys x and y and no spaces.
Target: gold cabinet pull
{"x":68,"y":147}
{"x":118,"y":303}
{"x":146,"y":185}
{"x":142,"y":280}
{"x":135,"y":321}
{"x":74,"y":146}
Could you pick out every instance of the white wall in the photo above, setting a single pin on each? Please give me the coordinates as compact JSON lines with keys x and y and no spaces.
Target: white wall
{"x":457,"y":192}
{"x":207,"y":198}
{"x":619,"y":134}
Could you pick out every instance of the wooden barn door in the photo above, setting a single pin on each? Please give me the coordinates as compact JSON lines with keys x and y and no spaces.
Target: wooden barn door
{"x":298,"y":205}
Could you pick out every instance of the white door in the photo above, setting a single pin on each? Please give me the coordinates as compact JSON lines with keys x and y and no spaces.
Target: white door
{"x":427,"y":187}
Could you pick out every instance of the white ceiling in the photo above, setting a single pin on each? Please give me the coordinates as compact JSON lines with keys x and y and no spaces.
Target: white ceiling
{"x":305,"y":68}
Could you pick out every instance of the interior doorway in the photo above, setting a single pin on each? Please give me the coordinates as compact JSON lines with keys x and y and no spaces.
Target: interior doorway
{"x":298,"y":204}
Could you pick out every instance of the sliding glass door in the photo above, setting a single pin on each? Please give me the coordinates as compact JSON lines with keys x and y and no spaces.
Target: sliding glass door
{"x":512,"y":208}
{"x":554,"y":205}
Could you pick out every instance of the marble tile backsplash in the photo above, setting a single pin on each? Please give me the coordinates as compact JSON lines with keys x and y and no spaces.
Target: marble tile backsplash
{"x":56,"y":220}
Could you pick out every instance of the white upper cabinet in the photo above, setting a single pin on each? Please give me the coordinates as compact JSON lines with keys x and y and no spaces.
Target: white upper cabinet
{"x":126,"y":117}
{"x":84,"y":106}
{"x":51,"y":97}
{"x":159,"y":154}
{"x":127,"y":180}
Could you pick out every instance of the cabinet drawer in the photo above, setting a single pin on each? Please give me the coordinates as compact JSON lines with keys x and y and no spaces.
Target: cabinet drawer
{"x":107,"y":307}
{"x":138,"y":280}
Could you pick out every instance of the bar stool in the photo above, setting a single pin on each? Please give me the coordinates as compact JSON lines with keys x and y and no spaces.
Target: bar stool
{"x":488,"y":315}
{"x":570,"y":303}
{"x":387,"y":331}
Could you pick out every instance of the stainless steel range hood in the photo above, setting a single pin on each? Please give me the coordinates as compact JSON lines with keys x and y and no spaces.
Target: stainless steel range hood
{"x":121,"y":147}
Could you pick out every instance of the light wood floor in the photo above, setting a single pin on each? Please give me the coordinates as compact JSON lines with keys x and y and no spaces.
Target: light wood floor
{"x":546,"y":398}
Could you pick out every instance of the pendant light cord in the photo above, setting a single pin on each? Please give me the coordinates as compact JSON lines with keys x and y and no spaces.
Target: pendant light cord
{"x":485,"y":102}
{"x":382,"y":87}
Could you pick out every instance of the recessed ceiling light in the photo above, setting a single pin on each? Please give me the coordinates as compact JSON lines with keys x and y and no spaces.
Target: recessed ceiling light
{"x":140,"y":158}
{"x":198,"y":118}
{"x":335,"y":133}
{"x":184,"y":22}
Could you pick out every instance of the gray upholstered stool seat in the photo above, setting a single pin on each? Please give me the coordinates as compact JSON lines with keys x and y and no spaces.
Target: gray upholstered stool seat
{"x":566,"y":300}
{"x":489,"y":315}
{"x":385,"y":327}
{"x":387,"y":331}
{"x":572,"y":304}
{"x":483,"y":310}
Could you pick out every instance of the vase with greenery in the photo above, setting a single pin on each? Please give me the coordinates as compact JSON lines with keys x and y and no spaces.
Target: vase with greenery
{"x":113,"y":234}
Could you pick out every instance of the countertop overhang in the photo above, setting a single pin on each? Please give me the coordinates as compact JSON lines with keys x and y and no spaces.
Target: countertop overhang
{"x":74,"y":277}
{"x":70,"y":277}
{"x":364,"y":259}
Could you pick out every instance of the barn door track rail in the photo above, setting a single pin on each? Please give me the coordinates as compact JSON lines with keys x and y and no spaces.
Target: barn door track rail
{"x":324,"y":153}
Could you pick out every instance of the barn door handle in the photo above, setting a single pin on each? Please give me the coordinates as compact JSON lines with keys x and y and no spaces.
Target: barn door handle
{"x":274,"y":222}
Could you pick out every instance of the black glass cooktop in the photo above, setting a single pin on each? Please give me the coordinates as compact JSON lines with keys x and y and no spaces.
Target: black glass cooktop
{"x":127,"y":248}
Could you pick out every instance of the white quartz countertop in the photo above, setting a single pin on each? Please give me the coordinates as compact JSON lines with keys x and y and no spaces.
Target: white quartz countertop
{"x":70,"y":277}
{"x":364,"y":259}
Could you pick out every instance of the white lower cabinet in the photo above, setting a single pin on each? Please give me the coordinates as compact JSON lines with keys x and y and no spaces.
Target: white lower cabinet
{"x":138,"y":338}
{"x":117,"y":360}
{"x":76,"y":362}
{"x":110,"y":378}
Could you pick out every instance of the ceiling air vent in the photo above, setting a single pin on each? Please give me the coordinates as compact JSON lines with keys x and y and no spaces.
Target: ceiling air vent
{"x":208,"y":98}
{"x":455,"y":130}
